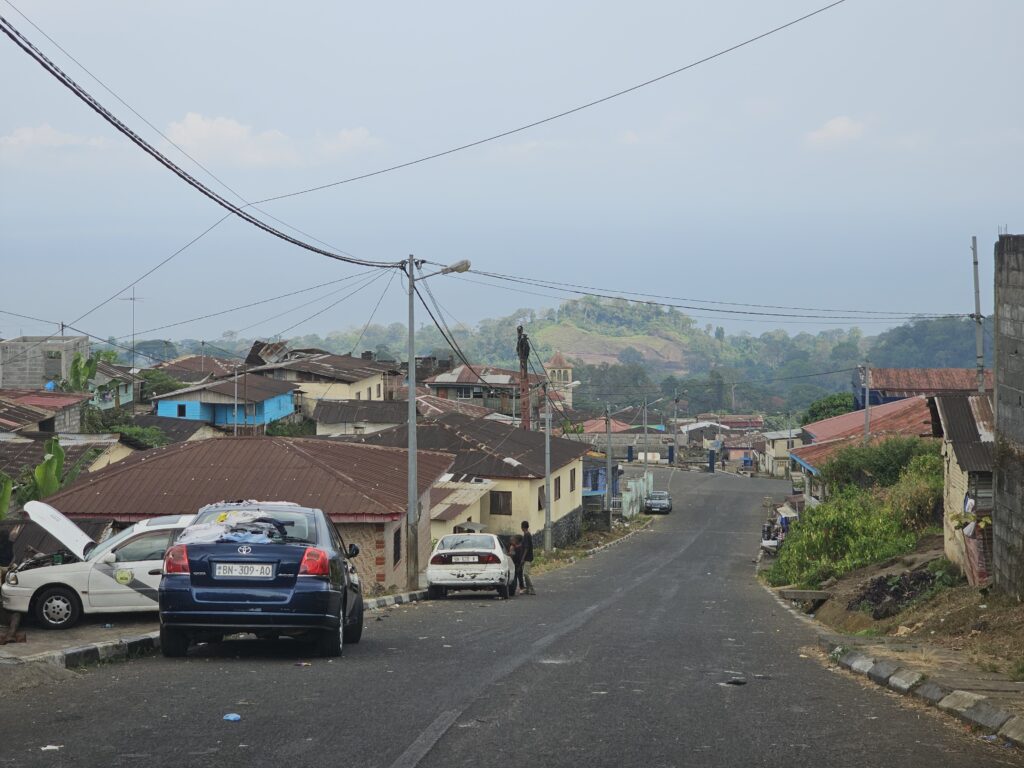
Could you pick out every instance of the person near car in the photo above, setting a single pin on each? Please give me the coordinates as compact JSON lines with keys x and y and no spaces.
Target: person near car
{"x":526,"y":558}
{"x":515,"y":550}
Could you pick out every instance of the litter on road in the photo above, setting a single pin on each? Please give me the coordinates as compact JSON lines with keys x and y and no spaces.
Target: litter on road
{"x":232,"y":717}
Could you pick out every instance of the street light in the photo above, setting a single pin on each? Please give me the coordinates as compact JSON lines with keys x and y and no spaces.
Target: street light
{"x":547,"y":462}
{"x":412,"y":567}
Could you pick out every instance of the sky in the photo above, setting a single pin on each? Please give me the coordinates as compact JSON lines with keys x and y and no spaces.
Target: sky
{"x":844,"y":162}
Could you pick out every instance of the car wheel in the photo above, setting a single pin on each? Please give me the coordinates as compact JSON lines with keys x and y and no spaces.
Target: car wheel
{"x":58,"y":608}
{"x":173,"y":642}
{"x":512,"y":587}
{"x":435,"y":592}
{"x":354,"y":631}
{"x":503,"y":591}
{"x":331,"y":641}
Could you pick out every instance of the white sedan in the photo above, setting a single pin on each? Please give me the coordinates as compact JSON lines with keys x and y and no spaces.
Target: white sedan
{"x":474,"y":561}
{"x":110,"y":577}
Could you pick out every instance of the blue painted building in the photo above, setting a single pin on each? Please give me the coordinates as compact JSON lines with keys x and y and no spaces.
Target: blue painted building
{"x":256,"y":400}
{"x":595,"y":479}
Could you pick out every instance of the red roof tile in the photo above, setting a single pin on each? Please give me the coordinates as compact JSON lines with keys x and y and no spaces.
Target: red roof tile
{"x":926,"y":381}
{"x":848,"y":423}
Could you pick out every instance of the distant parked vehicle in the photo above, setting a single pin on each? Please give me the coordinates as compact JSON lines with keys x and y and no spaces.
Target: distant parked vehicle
{"x":271,"y":568}
{"x":472,"y":561}
{"x":85,"y":577}
{"x":658,"y":501}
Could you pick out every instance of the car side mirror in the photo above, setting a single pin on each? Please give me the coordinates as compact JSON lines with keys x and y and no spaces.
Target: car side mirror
{"x":353,"y":550}
{"x":110,"y":557}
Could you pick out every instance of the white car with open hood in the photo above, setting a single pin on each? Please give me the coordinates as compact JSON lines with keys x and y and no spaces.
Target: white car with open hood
{"x":85,"y":577}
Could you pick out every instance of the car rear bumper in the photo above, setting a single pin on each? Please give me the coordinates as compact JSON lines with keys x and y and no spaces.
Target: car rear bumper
{"x":246,"y":622}
{"x":312,"y":609}
{"x":453,"y":579}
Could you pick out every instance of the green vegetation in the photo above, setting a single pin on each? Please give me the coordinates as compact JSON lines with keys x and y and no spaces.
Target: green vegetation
{"x":826,"y":407}
{"x":884,"y":498}
{"x":6,"y":486}
{"x":299,"y":429}
{"x":155,"y":382}
{"x":151,"y":437}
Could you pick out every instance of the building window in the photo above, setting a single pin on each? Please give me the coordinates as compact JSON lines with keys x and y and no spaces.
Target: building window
{"x":358,"y":429}
{"x":501,"y":502}
{"x":378,"y":390}
{"x":540,"y":498}
{"x":396,"y":555}
{"x":464,"y":393}
{"x":558,"y":488}
{"x":369,"y":393}
{"x":572,"y":480}
{"x":359,"y":395}
{"x":181,"y":411}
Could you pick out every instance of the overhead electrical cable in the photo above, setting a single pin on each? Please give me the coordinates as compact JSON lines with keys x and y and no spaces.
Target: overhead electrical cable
{"x":330,"y":306}
{"x":369,"y":320}
{"x":558,"y":115}
{"x":22,"y":42}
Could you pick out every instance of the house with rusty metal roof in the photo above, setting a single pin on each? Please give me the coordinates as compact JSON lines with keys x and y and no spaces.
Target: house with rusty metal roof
{"x":362,"y":489}
{"x":906,"y":418}
{"x":496,"y":389}
{"x":887,"y":384}
{"x":513,"y":458}
{"x":66,"y":407}
{"x":193,"y":369}
{"x":966,"y":425}
{"x":113,"y":386}
{"x":88,"y":452}
{"x":332,"y":377}
{"x":15,"y":417}
{"x":458,"y":507}
{"x":252,"y":402}
{"x":358,"y":417}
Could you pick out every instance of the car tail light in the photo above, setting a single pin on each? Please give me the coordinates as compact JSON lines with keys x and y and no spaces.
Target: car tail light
{"x":176,"y":559}
{"x":489,"y":559}
{"x":440,"y":559}
{"x":315,"y":563}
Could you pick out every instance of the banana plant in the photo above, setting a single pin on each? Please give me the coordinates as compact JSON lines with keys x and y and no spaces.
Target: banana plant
{"x":6,"y":485}
{"x":50,"y":471}
{"x":82,"y":371}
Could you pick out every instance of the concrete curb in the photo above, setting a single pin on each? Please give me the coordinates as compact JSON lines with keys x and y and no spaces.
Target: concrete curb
{"x":603,"y":547}
{"x":980,"y":712}
{"x":377,"y":603}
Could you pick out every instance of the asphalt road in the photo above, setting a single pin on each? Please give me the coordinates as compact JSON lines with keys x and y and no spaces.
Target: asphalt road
{"x":623,"y":659}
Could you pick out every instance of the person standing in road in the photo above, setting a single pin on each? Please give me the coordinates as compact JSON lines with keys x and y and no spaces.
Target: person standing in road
{"x":526,"y":557}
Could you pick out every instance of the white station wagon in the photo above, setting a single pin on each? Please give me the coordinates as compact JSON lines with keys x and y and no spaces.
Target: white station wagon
{"x":474,"y":561}
{"x":110,"y":577}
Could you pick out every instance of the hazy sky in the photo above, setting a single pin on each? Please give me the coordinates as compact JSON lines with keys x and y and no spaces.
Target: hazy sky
{"x":844,"y":162}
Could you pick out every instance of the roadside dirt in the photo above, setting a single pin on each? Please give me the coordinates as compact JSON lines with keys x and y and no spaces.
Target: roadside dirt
{"x":983,"y":628}
{"x":588,"y":541}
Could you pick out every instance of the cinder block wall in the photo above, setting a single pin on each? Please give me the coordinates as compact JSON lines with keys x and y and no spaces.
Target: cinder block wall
{"x":1008,"y":511}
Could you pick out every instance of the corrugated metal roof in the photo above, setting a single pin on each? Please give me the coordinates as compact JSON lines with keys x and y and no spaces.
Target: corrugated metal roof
{"x":968,"y":422}
{"x":926,"y":381}
{"x":344,"y":368}
{"x":198,"y":367}
{"x":369,"y":411}
{"x":471,"y":375}
{"x":485,"y":448}
{"x":836,"y":426}
{"x":50,"y":401}
{"x":114,"y":372}
{"x":349,"y":481}
{"x":432,"y":406}
{"x":24,"y":451}
{"x":450,"y":499}
{"x":177,"y":430}
{"x":251,"y":388}
{"x":15,"y":416}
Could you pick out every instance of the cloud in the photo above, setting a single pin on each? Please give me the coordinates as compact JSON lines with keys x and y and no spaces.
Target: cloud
{"x":630,"y":137}
{"x":838,"y":130}
{"x":229,"y":142}
{"x":22,"y":141}
{"x":347,"y":141}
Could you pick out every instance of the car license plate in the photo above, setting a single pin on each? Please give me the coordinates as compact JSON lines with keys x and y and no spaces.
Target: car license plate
{"x":464,"y":558}
{"x":245,"y":570}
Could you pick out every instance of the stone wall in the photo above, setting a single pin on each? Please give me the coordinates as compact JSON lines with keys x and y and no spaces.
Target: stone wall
{"x":565,"y":531}
{"x":1008,"y":507}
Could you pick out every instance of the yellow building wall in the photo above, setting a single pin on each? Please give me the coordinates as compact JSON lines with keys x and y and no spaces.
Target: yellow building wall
{"x":112,"y":455}
{"x":524,"y":500}
{"x":954,"y":489}
{"x":472,"y":513}
{"x":315,"y":391}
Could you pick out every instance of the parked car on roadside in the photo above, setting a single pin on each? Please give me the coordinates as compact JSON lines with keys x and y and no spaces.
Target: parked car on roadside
{"x":658,"y":501}
{"x":112,"y":576}
{"x":275,"y":569}
{"x":471,"y":561}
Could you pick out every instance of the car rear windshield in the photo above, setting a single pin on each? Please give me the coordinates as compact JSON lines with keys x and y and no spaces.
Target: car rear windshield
{"x":252,"y":526}
{"x":466,"y":541}
{"x":659,"y":495}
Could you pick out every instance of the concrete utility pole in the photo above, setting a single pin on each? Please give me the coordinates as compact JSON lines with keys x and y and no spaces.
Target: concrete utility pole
{"x":547,"y":470}
{"x":979,"y":343}
{"x":645,"y":447}
{"x":412,"y":565}
{"x":867,"y":400}
{"x":675,"y":423}
{"x":608,"y":481}
{"x":234,"y":418}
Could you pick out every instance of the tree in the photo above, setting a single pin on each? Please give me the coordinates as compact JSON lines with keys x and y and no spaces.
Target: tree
{"x":827,"y":407}
{"x":81,"y":372}
{"x":631,"y":356}
{"x":6,"y":485}
{"x":155,"y":382}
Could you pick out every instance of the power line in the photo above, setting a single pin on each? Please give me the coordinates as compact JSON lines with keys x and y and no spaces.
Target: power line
{"x":22,"y":42}
{"x":559,"y":115}
{"x":165,"y":137}
{"x":372,"y":314}
{"x":332,"y":305}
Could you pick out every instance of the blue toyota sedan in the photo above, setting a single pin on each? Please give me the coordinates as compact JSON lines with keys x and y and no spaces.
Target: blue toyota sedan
{"x":275,"y":569}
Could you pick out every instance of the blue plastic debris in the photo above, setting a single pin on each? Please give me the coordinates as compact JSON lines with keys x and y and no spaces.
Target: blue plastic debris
{"x":233,"y":717}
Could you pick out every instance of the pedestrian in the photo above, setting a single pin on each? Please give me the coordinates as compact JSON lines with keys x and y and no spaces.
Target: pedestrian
{"x":526,"y":557}
{"x":515,"y":550}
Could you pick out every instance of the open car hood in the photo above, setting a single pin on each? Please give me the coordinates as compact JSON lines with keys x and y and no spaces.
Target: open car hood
{"x":63,"y":530}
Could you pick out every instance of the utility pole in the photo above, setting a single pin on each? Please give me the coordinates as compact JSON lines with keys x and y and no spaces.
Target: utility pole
{"x":609,"y":486}
{"x":132,"y":299}
{"x":412,"y":565}
{"x":675,"y":423}
{"x":234,"y":419}
{"x":547,"y":470}
{"x":645,"y":448}
{"x":979,"y":347}
{"x":867,"y":400}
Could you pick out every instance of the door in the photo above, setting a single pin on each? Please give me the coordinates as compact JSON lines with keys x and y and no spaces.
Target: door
{"x":126,"y":583}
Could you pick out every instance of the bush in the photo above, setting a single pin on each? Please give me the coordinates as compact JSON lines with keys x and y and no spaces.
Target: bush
{"x":914,"y":498}
{"x":880,"y":464}
{"x":852,"y":529}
